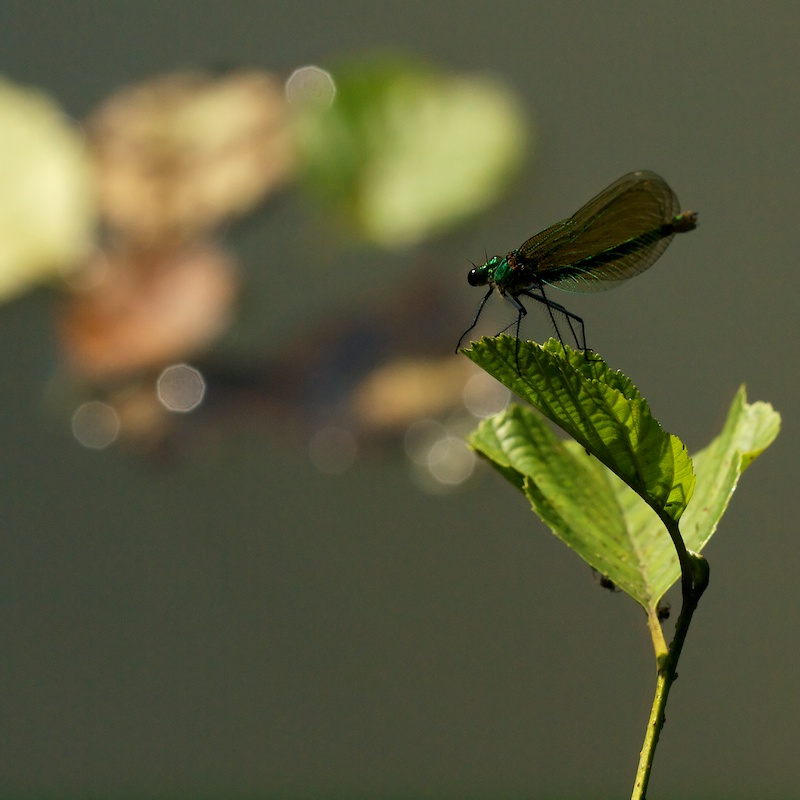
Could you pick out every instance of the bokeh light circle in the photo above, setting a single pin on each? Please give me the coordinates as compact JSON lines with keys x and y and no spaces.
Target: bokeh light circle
{"x":181,"y":388}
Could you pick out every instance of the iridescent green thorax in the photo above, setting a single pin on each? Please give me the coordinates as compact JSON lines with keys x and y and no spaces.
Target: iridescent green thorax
{"x":501,"y":270}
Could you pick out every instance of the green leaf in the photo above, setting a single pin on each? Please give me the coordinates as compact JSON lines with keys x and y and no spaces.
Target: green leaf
{"x":568,"y":489}
{"x":748,"y":431}
{"x":592,"y":511}
{"x":405,"y":151}
{"x":601,"y":409}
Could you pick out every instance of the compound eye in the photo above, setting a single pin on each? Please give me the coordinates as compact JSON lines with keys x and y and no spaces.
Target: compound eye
{"x":474,"y":278}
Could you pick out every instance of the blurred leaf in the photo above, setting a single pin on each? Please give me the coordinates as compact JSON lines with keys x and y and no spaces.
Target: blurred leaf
{"x":46,"y":193}
{"x":146,"y":309}
{"x":177,"y":155}
{"x":601,"y":409}
{"x":405,"y":151}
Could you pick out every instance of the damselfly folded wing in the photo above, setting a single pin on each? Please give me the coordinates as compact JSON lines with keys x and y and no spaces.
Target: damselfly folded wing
{"x":616,"y":235}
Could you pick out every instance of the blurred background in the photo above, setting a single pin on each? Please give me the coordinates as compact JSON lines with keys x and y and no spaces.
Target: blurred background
{"x":245,"y":552}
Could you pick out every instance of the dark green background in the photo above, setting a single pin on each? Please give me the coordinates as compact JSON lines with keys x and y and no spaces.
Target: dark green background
{"x":242,"y":625}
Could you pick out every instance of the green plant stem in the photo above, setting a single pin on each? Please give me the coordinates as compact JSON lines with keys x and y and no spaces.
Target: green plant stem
{"x":694,"y":579}
{"x":657,"y":635}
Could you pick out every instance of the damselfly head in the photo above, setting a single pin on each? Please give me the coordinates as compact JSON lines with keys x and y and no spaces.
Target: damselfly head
{"x":479,"y":276}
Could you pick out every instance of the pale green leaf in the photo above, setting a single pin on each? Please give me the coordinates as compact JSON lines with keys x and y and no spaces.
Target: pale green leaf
{"x":47,"y":211}
{"x":405,"y":150}
{"x":749,"y":429}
